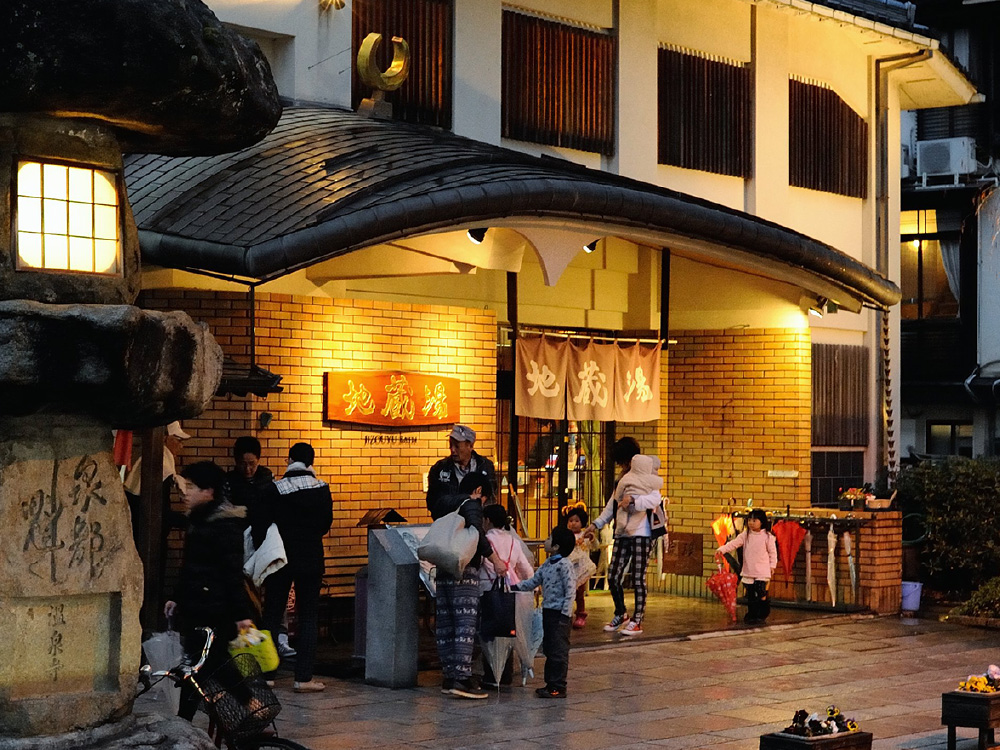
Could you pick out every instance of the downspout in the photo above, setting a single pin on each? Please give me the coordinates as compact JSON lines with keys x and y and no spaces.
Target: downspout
{"x":883,"y":67}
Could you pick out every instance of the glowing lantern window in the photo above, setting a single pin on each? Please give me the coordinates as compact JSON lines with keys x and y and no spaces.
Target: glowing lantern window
{"x":67,"y":219}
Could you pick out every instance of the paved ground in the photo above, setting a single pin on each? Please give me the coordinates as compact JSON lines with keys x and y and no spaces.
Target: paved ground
{"x":719,"y":689}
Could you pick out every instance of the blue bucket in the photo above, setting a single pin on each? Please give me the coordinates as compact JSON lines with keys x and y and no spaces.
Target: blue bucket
{"x":911,"y":595}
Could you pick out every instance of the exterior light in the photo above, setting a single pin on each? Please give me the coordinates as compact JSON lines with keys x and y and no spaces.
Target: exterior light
{"x":915,"y":244}
{"x":590,"y":247}
{"x":477,"y":235}
{"x":68,"y":219}
{"x":818,"y":308}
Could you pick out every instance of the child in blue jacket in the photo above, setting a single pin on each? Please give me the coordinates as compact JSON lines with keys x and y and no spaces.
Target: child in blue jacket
{"x":555,"y":576}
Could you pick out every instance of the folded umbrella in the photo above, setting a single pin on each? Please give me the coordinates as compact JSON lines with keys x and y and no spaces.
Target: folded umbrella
{"x":497,"y":651}
{"x":789,"y":535}
{"x":831,"y":564}
{"x":852,"y":571}
{"x":808,"y":541}
{"x":723,"y":584}
{"x":722,"y":529}
{"x":529,"y":633}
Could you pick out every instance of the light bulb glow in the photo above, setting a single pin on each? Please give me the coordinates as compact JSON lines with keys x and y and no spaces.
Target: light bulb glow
{"x":68,"y":219}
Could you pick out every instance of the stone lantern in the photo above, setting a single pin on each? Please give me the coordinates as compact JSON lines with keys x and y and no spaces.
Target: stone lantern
{"x":80,"y":83}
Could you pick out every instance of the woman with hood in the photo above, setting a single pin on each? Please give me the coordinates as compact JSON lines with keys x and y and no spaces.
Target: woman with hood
{"x":637,"y":493}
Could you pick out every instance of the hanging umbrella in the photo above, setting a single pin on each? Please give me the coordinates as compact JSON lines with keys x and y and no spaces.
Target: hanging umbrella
{"x":789,"y":535}
{"x":528,"y":620}
{"x":808,"y":541}
{"x":722,"y":528}
{"x":831,"y":564}
{"x":852,"y":571}
{"x":497,"y":651}
{"x":723,"y":584}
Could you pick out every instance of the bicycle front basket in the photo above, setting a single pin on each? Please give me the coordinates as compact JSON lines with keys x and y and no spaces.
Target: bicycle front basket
{"x":238,"y":698}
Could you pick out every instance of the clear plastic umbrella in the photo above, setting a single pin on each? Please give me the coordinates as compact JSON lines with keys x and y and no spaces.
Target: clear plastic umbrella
{"x":496,"y":652}
{"x":831,"y":564}
{"x":529,"y":633}
{"x":808,"y":542}
{"x":852,"y":571}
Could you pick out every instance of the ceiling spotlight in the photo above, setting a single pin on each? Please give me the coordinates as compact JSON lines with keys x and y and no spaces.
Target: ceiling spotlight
{"x":819,"y":307}
{"x":590,"y":247}
{"x":477,"y":235}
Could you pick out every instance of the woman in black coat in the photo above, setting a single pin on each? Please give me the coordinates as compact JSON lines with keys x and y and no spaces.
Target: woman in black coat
{"x":210,"y":589}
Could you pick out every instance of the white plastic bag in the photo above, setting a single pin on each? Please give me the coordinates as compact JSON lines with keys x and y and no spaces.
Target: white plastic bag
{"x":164,"y":651}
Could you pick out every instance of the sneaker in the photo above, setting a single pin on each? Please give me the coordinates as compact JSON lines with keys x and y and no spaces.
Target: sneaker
{"x":579,"y":623}
{"x":269,"y":683}
{"x":468,"y":689}
{"x":632,"y":628}
{"x":616,"y":622}
{"x":313,"y":686}
{"x":285,"y":651}
{"x":550,"y":692}
{"x":447,"y":685}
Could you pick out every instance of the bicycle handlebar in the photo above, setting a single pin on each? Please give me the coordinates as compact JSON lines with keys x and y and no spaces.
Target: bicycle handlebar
{"x":182,"y":671}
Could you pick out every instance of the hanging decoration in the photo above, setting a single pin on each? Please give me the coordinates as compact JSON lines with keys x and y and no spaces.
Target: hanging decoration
{"x":559,"y":379}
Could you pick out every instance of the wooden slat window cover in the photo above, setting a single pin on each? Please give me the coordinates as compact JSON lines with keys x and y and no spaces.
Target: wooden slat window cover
{"x":426,"y":25}
{"x":705,"y":110}
{"x":558,"y":84}
{"x":839,"y":395}
{"x":827,"y":142}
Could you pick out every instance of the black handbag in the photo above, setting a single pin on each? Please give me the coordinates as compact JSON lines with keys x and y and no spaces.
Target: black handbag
{"x":497,"y":610}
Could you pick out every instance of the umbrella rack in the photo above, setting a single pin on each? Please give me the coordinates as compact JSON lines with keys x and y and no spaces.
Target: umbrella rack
{"x":813,"y":584}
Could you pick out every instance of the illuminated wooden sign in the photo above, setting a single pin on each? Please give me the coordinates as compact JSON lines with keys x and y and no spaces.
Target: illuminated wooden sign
{"x":391,"y":398}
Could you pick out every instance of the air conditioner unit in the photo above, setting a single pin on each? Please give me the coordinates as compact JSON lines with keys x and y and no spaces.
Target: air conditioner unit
{"x":946,"y":156}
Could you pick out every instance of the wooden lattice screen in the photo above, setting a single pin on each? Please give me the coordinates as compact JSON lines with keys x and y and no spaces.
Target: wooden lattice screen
{"x":705,"y":111}
{"x":426,"y":25}
{"x":839,"y":395}
{"x":827,"y":142}
{"x":558,"y":84}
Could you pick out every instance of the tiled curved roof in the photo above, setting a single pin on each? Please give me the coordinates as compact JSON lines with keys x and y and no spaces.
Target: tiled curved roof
{"x":327,"y":181}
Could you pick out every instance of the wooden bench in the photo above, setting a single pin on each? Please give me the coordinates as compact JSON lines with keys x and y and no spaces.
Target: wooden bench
{"x":338,"y":580}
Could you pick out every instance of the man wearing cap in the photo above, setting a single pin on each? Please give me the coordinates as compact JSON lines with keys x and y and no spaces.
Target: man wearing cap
{"x":445,"y":476}
{"x":173,"y":442}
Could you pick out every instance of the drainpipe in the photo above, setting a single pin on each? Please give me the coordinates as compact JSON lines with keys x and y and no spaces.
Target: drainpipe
{"x":883,"y":67}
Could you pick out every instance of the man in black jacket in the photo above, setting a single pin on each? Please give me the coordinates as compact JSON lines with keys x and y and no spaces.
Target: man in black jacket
{"x":301,"y":506}
{"x":446,"y":475}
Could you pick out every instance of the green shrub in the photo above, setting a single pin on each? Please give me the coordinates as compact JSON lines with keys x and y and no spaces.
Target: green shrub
{"x":985,"y":602}
{"x":960,"y":500}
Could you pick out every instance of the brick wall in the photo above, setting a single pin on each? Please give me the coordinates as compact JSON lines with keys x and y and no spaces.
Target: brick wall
{"x":737,"y":405}
{"x":300,"y":338}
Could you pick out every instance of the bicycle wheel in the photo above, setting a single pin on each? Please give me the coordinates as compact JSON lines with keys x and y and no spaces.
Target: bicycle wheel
{"x":271,"y":743}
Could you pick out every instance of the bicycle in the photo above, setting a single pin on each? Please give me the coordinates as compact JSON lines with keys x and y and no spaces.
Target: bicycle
{"x":241,"y":707}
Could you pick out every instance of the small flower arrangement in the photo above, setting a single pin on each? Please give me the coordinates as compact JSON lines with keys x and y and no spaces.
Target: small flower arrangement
{"x":982,"y":683}
{"x":812,"y":725}
{"x":852,"y":494}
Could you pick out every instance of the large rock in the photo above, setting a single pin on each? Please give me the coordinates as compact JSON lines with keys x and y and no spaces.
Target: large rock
{"x":145,"y":732}
{"x":125,"y":366}
{"x":70,"y":578}
{"x":166,"y":74}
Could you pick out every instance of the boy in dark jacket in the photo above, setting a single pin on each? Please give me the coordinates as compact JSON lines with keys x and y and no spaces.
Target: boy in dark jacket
{"x":210,"y":589}
{"x":301,"y":506}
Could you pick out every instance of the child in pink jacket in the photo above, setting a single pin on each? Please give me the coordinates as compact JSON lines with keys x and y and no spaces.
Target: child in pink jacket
{"x":760,"y":556}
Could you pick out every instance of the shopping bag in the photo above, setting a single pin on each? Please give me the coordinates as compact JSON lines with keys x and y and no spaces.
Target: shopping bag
{"x":449,"y":544}
{"x":497,"y":609}
{"x":583,"y":566}
{"x":657,"y":521}
{"x":164,"y":651}
{"x":260,"y":645}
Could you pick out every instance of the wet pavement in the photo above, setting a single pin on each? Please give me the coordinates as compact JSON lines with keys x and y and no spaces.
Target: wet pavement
{"x":716,"y":685}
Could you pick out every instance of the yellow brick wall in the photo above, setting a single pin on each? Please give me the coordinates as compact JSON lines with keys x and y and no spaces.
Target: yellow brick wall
{"x":300,"y":338}
{"x":737,"y":405}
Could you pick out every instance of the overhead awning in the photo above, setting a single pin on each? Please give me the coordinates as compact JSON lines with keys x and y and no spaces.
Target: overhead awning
{"x":328,"y":182}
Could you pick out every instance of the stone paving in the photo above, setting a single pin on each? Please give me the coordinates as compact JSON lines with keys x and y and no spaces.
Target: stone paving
{"x":719,"y":689}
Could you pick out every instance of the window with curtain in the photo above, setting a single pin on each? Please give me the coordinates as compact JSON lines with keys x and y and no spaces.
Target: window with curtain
{"x":929,"y":278}
{"x":705,"y":112}
{"x":426,"y":25}
{"x":827,"y":141}
{"x":557,"y":84}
